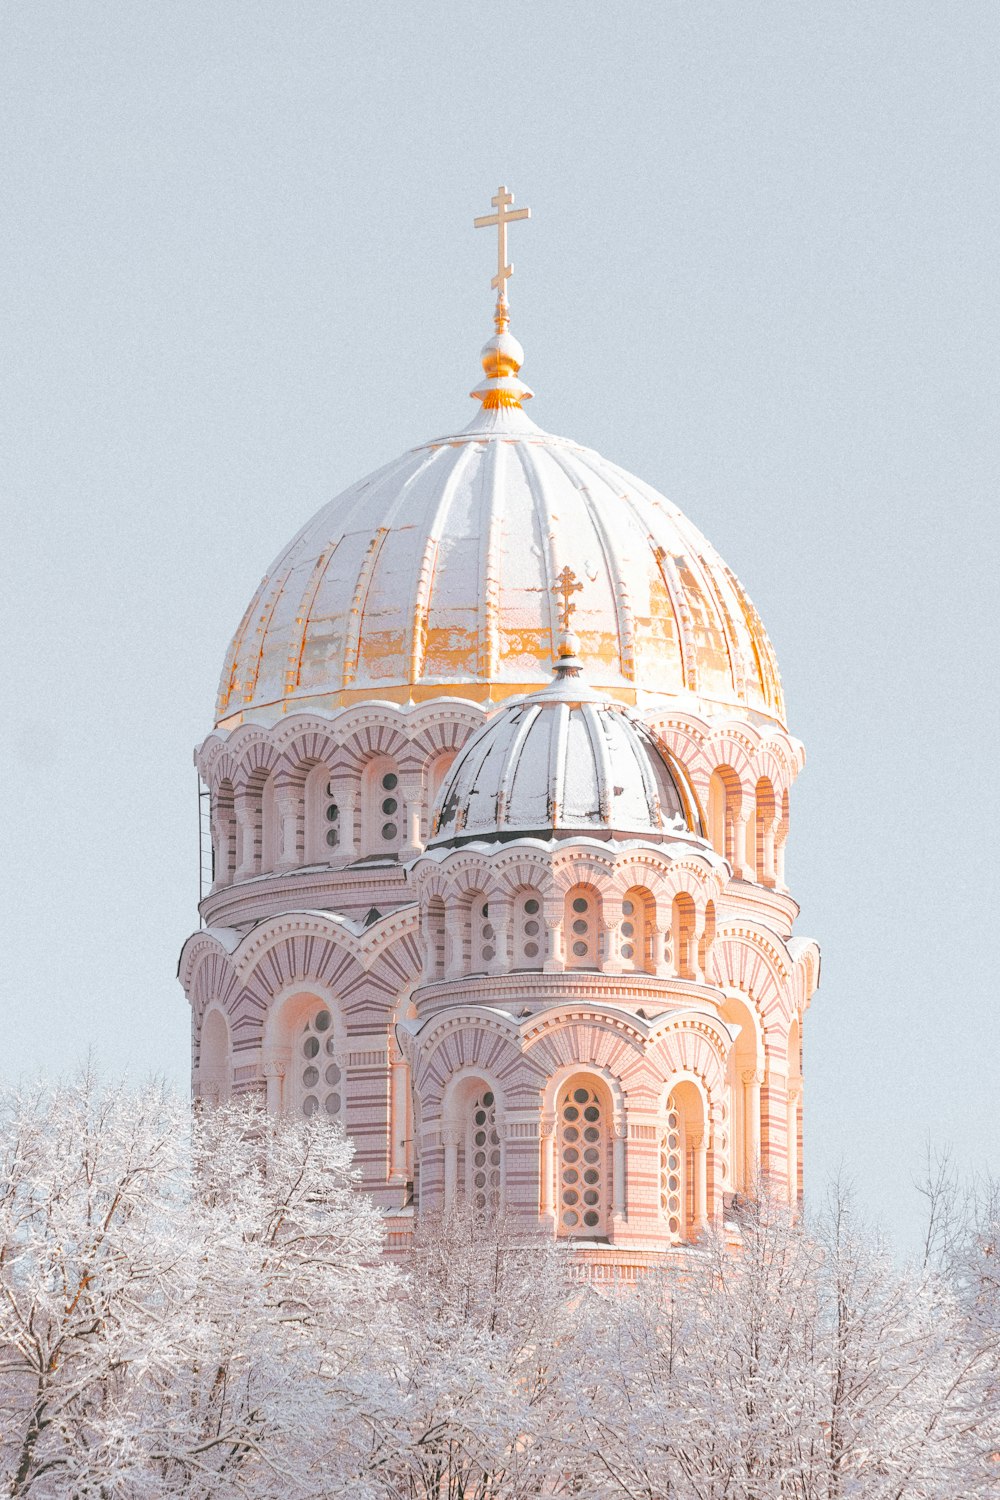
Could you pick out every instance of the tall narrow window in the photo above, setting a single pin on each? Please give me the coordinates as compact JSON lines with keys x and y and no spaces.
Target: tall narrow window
{"x":319,"y":1078}
{"x":683,"y":931}
{"x":582,"y":928}
{"x":583,"y":1162}
{"x":384,"y":820}
{"x":529,"y":932}
{"x":482,"y":1155}
{"x":672,"y":1191}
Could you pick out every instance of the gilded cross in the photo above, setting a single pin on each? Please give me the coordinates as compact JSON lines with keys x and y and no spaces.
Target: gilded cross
{"x":565,"y":585}
{"x":501,"y":202}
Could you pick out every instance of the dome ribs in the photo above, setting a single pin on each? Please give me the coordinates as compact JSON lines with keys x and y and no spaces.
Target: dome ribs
{"x":624,"y":615}
{"x":685,"y":623}
{"x":265,"y":619}
{"x":423,"y":594}
{"x":545,"y":521}
{"x":491,"y":542}
{"x":558,"y":736}
{"x":602,"y":761}
{"x":737,"y":664}
{"x":230,"y":681}
{"x":293,"y":676}
{"x":352,"y":644}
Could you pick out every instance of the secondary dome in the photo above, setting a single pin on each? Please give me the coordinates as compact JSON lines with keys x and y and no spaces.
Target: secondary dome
{"x":560,"y":761}
{"x":434,"y":576}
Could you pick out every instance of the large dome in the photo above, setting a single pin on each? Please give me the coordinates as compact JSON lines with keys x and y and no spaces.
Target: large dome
{"x":434,"y":576}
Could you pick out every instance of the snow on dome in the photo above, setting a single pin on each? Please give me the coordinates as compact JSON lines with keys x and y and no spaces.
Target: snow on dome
{"x":433,"y":576}
{"x":560,"y":761}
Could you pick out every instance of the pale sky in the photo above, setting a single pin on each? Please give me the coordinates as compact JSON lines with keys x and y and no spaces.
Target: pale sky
{"x":238,"y":271}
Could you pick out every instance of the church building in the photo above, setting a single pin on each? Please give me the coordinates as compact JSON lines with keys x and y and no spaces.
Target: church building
{"x":499,"y":796}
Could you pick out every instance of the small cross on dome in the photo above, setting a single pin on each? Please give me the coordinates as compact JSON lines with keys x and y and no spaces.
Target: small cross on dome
{"x":501,"y":201}
{"x":564,"y":587}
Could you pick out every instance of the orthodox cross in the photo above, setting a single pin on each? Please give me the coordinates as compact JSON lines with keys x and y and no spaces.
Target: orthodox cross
{"x":566,"y":585}
{"x":501,"y":202}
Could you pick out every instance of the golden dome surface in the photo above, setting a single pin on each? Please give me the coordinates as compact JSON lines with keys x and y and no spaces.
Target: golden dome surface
{"x":434,"y":576}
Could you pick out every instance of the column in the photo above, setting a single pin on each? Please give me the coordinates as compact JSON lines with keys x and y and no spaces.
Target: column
{"x":455,"y":918}
{"x":740,"y":852}
{"x":411,"y":794}
{"x":752,"y":1081}
{"x":274,"y":1073}
{"x":286,"y":801}
{"x":500,"y":920}
{"x":552,"y":916}
{"x":547,"y":1155}
{"x":792,"y":1138}
{"x":400,"y":1145}
{"x":698,"y":1141}
{"x":450,"y":1168}
{"x":246,"y":836}
{"x":618,"y":1172}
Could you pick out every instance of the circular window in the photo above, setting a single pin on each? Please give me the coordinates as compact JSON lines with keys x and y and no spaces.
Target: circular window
{"x":389,"y":806}
{"x":580,"y":904}
{"x":489,"y":953}
{"x":488,"y":930}
{"x":580,"y":1096}
{"x":580,"y":949}
{"x":332,"y":813}
{"x":531,"y":928}
{"x":332,"y":837}
{"x":627,"y":929}
{"x":531,"y":950}
{"x":322,"y":1021}
{"x":627,"y":908}
{"x":389,"y":831}
{"x":310,"y":1105}
{"x":483,"y":1154}
{"x":488,"y":1101}
{"x":579,"y":925}
{"x":310,"y":1077}
{"x":531,"y":906}
{"x":390,"y":782}
{"x":627,"y":950}
{"x":331,"y":1045}
{"x":310,"y":1046}
{"x":332,"y":1104}
{"x":332,"y":1074}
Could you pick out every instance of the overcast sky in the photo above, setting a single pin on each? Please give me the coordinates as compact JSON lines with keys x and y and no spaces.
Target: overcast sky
{"x":238,"y":271}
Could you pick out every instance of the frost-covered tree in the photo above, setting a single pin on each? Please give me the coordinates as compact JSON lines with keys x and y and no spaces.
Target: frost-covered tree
{"x":186,"y":1307}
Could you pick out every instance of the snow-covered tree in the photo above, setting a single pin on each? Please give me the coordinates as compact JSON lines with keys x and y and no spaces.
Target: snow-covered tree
{"x":186,"y":1307}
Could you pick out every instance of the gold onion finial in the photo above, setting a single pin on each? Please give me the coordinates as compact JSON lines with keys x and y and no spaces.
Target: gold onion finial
{"x":502,"y":355}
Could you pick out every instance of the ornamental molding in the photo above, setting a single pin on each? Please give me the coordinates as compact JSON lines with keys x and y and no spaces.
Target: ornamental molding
{"x":366,"y":951}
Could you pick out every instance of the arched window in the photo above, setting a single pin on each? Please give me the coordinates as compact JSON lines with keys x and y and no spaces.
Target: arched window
{"x":482,"y":1154}
{"x":582,"y":924}
{"x":638,"y":930}
{"x":682,"y":932}
{"x":764,"y":821}
{"x":724,"y":796}
{"x":583,"y":1164}
{"x":225,"y":834}
{"x":383,"y":814}
{"x":529,"y":930}
{"x":214,"y":1079}
{"x":317,"y":1076}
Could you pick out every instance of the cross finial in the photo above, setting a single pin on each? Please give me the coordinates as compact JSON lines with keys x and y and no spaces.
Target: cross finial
{"x":564,"y":587}
{"x":501,"y":218}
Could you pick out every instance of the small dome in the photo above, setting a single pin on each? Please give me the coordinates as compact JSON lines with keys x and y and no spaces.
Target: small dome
{"x":563,"y":761}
